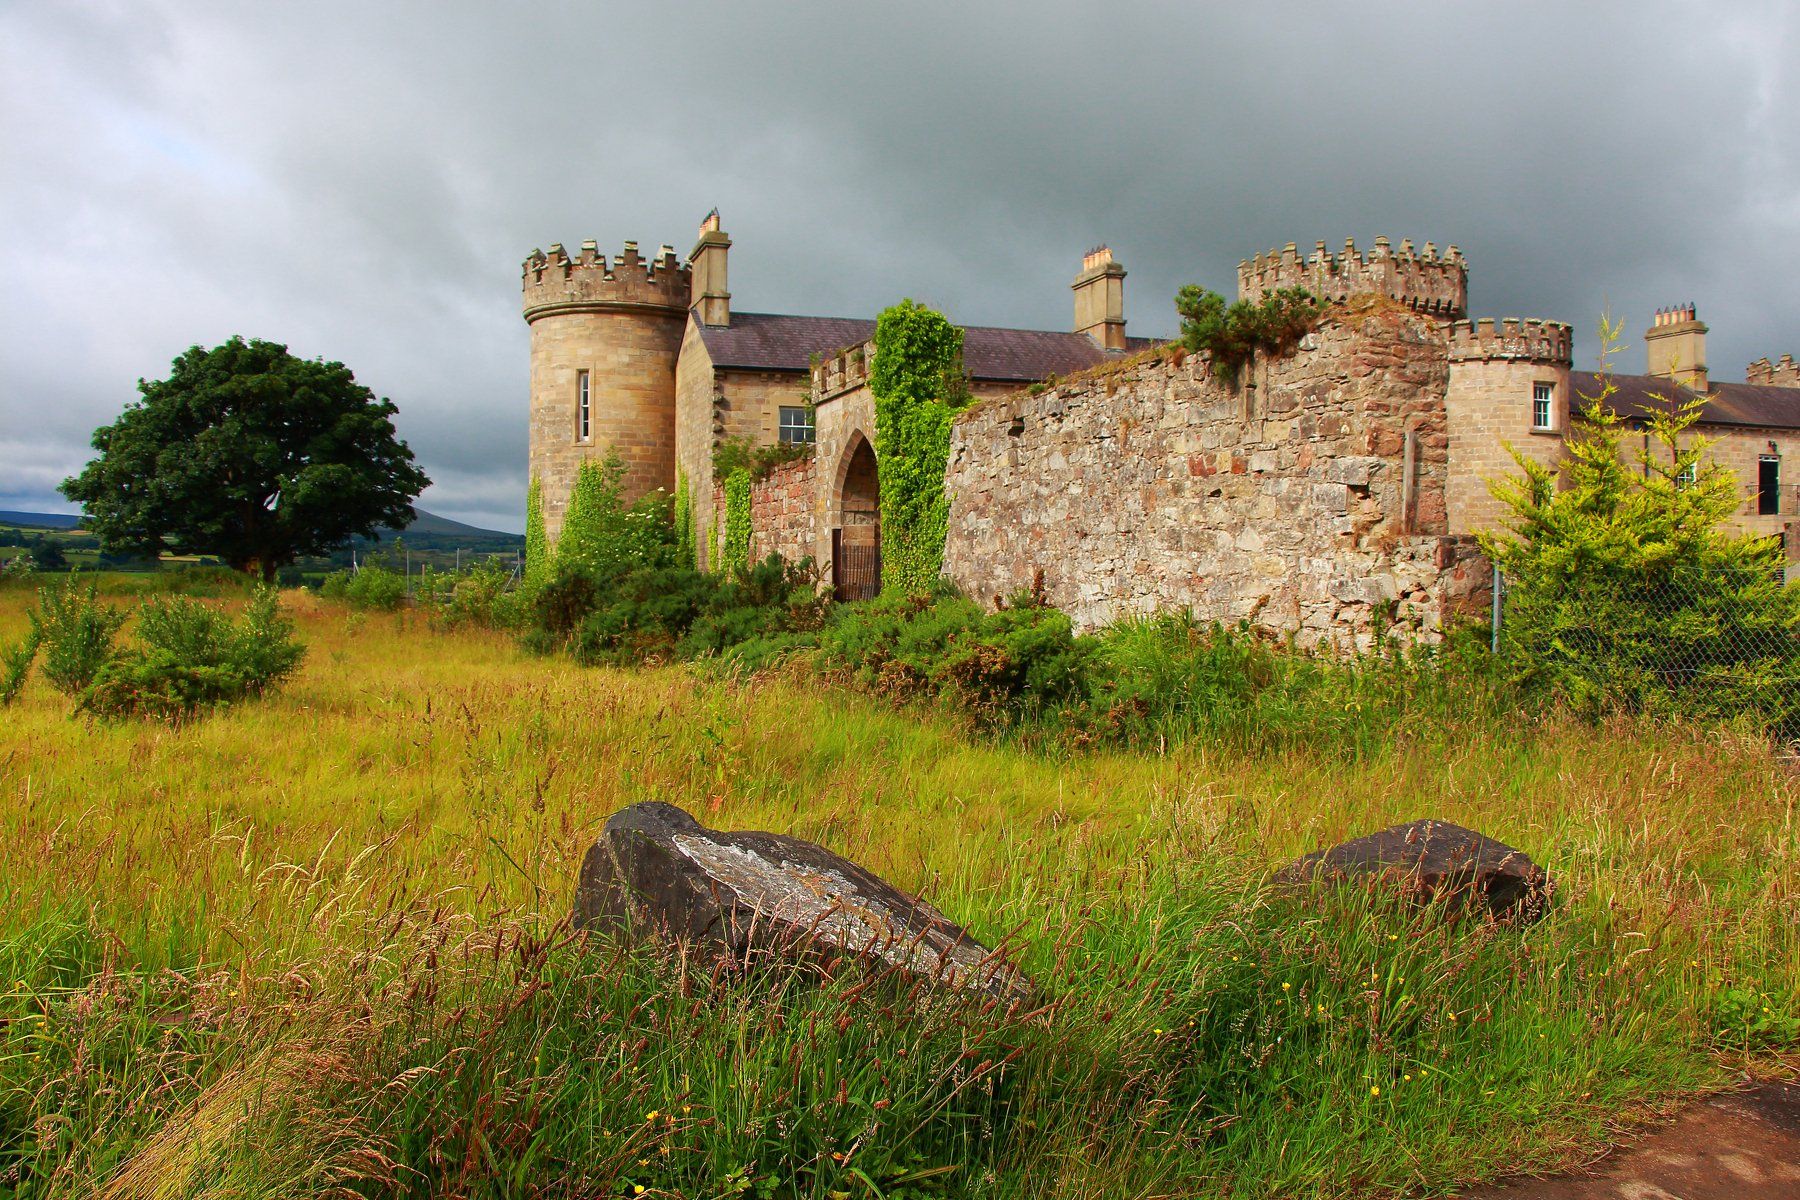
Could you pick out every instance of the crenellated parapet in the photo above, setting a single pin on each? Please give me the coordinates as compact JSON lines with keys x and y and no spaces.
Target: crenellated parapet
{"x":1551,"y":343}
{"x":1783,"y":373}
{"x":843,"y":371}
{"x":588,"y":282}
{"x":1422,"y":281}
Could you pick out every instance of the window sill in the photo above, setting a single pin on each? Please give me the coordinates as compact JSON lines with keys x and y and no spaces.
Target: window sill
{"x":1546,"y":430}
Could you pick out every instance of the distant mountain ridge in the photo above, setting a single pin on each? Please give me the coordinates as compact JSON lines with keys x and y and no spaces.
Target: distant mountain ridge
{"x":37,"y":520}
{"x":425,"y":524}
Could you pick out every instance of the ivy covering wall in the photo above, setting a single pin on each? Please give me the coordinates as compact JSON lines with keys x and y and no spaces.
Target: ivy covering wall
{"x":737,"y":519}
{"x":684,"y":521}
{"x":537,"y":542}
{"x":917,"y":383}
{"x":600,"y":532}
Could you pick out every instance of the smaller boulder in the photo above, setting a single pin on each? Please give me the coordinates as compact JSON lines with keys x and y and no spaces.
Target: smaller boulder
{"x":1428,"y":860}
{"x":656,"y":872}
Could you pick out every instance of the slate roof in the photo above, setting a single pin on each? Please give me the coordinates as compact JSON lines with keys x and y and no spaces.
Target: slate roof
{"x":1739,"y":404}
{"x":774,"y":342}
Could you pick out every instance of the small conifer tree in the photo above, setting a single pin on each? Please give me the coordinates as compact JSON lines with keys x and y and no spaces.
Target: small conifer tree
{"x":1625,"y":588}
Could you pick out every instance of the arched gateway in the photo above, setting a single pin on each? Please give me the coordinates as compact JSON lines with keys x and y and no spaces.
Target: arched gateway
{"x":856,"y":532}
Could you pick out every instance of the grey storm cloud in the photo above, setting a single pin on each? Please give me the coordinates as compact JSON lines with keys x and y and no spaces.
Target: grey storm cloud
{"x":361,"y":181}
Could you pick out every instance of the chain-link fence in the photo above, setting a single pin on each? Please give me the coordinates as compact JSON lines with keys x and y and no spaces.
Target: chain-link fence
{"x":1719,"y":642}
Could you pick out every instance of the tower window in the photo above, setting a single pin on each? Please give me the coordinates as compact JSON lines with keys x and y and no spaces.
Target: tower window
{"x":1541,"y":395}
{"x":796,"y":426}
{"x":582,"y":410}
{"x":1768,"y":485}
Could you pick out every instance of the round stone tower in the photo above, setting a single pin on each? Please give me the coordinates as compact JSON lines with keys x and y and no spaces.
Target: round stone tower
{"x":604,"y":341}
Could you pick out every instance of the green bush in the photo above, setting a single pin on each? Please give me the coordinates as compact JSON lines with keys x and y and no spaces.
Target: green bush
{"x":1233,"y":333}
{"x":481,"y":596}
{"x":680,"y":613}
{"x":1149,"y":681}
{"x":1626,"y":589}
{"x":743,"y":454}
{"x":370,"y":586}
{"x":74,"y":632}
{"x":15,"y":666}
{"x":190,"y":657}
{"x":603,"y":535}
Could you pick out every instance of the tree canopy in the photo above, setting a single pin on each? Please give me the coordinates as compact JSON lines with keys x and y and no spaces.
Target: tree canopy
{"x":251,"y":454}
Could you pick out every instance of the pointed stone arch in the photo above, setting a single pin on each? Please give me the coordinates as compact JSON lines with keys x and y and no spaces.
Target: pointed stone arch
{"x":853,"y":514}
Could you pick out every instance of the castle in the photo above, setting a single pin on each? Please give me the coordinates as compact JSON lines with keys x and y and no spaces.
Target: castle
{"x":1328,"y":492}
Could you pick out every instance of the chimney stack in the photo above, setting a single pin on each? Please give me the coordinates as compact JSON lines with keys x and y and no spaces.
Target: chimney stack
{"x":710,"y":297}
{"x":1676,"y":343}
{"x":1100,"y":299}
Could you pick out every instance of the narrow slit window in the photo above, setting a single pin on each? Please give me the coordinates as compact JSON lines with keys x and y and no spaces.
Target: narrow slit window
{"x":796,"y":426}
{"x":1541,"y":396}
{"x":582,"y":409}
{"x":1768,"y":485}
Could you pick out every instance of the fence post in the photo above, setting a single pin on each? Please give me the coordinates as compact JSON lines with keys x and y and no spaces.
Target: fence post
{"x":1494,"y":636}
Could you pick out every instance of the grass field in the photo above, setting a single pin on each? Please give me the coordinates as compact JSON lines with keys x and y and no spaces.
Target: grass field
{"x":315,"y":944}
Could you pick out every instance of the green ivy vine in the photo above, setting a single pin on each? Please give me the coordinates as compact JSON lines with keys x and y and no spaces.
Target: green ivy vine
{"x":684,"y":521}
{"x":917,"y":383}
{"x":737,"y":519}
{"x":537,"y":541}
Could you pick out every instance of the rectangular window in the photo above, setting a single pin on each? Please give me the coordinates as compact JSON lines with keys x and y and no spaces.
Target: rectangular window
{"x":1688,"y":475}
{"x":1768,"y":485}
{"x":1541,"y":394}
{"x":796,"y":426}
{"x":582,"y":410}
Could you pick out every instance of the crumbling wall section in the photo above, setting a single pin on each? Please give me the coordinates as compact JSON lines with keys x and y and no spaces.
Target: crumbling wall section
{"x":1307,"y":499}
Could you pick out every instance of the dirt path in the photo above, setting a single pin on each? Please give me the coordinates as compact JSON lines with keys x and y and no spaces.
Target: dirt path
{"x":1743,"y":1146}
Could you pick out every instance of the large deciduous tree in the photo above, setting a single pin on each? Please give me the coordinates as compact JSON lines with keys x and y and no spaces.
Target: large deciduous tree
{"x":251,"y":454}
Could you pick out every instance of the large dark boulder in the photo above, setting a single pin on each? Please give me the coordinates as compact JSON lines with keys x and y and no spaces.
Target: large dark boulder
{"x":656,"y":872}
{"x":1427,"y":860}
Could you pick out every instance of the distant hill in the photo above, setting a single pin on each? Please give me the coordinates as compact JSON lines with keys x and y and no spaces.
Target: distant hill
{"x":443,"y":528}
{"x":428,"y":524}
{"x":37,"y":520}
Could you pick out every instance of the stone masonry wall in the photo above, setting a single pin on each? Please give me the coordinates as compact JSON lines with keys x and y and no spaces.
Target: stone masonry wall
{"x":783,"y":518}
{"x":1310,"y":500}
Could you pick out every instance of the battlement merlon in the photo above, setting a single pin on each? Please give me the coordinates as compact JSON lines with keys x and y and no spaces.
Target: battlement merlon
{"x":1551,"y":343}
{"x":1421,"y":280}
{"x":1784,"y":373}
{"x":842,"y":371}
{"x":555,"y":282}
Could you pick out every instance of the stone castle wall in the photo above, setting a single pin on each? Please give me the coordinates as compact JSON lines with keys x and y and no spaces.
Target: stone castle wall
{"x":1310,"y":500}
{"x":783,"y":511}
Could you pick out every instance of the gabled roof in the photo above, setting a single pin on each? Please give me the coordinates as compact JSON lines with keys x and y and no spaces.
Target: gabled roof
{"x":1738,"y":404}
{"x":774,"y":342}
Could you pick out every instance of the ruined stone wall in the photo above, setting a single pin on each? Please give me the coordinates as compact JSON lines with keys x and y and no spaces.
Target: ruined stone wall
{"x":783,"y":511}
{"x":1309,"y":500}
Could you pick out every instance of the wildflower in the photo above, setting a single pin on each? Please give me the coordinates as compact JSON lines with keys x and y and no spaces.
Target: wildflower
{"x":1157,"y":1032}
{"x":643,"y":1162}
{"x":637,"y":1189}
{"x":663,"y":1149}
{"x":1374,"y":1089}
{"x":1406,"y":1079}
{"x":1452,"y":1016}
{"x":686,"y":1109}
{"x":1287,"y":987}
{"x":652,"y":1115}
{"x":1393,"y":937}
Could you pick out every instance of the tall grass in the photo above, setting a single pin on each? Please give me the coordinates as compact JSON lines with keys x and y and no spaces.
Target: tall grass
{"x":318,"y":943}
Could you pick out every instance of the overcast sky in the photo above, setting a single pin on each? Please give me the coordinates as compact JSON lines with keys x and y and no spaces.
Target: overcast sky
{"x":361,"y":180}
